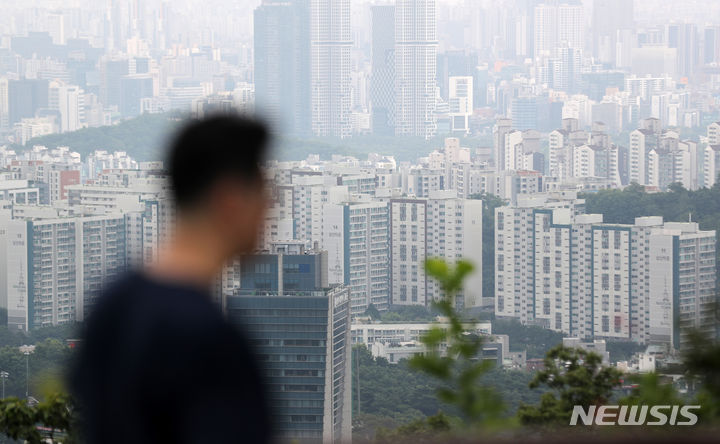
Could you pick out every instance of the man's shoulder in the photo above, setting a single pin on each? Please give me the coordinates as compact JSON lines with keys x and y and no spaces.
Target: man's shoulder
{"x":137,"y":299}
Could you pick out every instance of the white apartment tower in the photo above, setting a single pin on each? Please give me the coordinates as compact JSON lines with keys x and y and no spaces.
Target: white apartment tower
{"x":415,"y":68}
{"x":556,"y":25}
{"x":54,"y":269}
{"x":408,"y":250}
{"x":572,"y":273}
{"x":331,"y":43}
{"x":356,"y":237}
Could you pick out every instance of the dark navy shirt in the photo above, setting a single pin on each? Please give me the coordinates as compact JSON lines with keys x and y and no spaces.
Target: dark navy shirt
{"x":160,"y":364}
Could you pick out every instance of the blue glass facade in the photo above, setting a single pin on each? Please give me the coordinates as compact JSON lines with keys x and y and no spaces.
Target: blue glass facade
{"x":301,"y":336}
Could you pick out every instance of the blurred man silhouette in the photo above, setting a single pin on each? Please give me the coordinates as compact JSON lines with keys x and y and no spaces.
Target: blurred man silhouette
{"x":159,"y":363}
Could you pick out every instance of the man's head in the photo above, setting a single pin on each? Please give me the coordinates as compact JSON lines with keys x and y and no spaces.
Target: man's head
{"x":215,"y":174}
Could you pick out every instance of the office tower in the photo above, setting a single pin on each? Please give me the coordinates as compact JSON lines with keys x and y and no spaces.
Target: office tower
{"x":69,"y":101}
{"x":655,"y":61}
{"x":25,"y":97}
{"x":134,"y":88}
{"x":711,"y":45}
{"x":454,"y":63}
{"x":382,"y":82}
{"x":112,"y":72}
{"x":502,"y":127}
{"x":564,"y":69}
{"x":300,"y":328}
{"x":684,"y":38}
{"x":460,"y":100}
{"x":610,"y":19}
{"x":415,"y":68}
{"x":330,"y":47}
{"x":558,"y":25}
{"x":524,"y":113}
{"x":55,"y":268}
{"x":4,"y":103}
{"x":282,"y":64}
{"x":545,"y":29}
{"x":356,"y":237}
{"x":571,"y":26}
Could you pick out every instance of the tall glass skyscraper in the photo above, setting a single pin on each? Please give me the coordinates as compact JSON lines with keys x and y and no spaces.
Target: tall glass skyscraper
{"x":415,"y":68}
{"x":301,"y":334}
{"x":282,"y":64}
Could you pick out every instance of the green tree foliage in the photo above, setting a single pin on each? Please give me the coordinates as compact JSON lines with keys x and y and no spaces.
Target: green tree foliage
{"x":702,"y":360}
{"x":537,"y":341}
{"x":144,"y":137}
{"x":373,"y":312}
{"x":623,"y":206}
{"x":623,"y":351}
{"x":48,"y":421}
{"x":490,"y":203}
{"x":391,"y":390}
{"x":652,"y":389}
{"x":408,"y":313}
{"x":574,"y":377}
{"x":453,"y":352}
{"x":45,"y":366}
{"x":403,"y":149}
{"x":436,"y":428}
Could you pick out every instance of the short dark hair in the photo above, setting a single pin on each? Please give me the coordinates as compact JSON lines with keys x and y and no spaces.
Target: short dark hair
{"x":207,"y":150}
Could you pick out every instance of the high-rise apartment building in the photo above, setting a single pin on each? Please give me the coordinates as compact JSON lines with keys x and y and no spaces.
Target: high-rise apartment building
{"x":415,"y":68}
{"x":408,"y":250}
{"x":356,"y":237}
{"x":330,"y":45}
{"x":54,"y":269}
{"x":572,"y":273}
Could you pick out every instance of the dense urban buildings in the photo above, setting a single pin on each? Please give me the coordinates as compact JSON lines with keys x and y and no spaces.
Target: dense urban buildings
{"x":400,"y":126}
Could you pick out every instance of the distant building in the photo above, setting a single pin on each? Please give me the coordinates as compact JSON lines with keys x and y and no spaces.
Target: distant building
{"x":382,"y":82}
{"x":282,"y":64}
{"x":415,"y":68}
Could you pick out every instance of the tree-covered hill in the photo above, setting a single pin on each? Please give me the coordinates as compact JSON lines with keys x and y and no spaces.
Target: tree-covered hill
{"x":144,"y":138}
